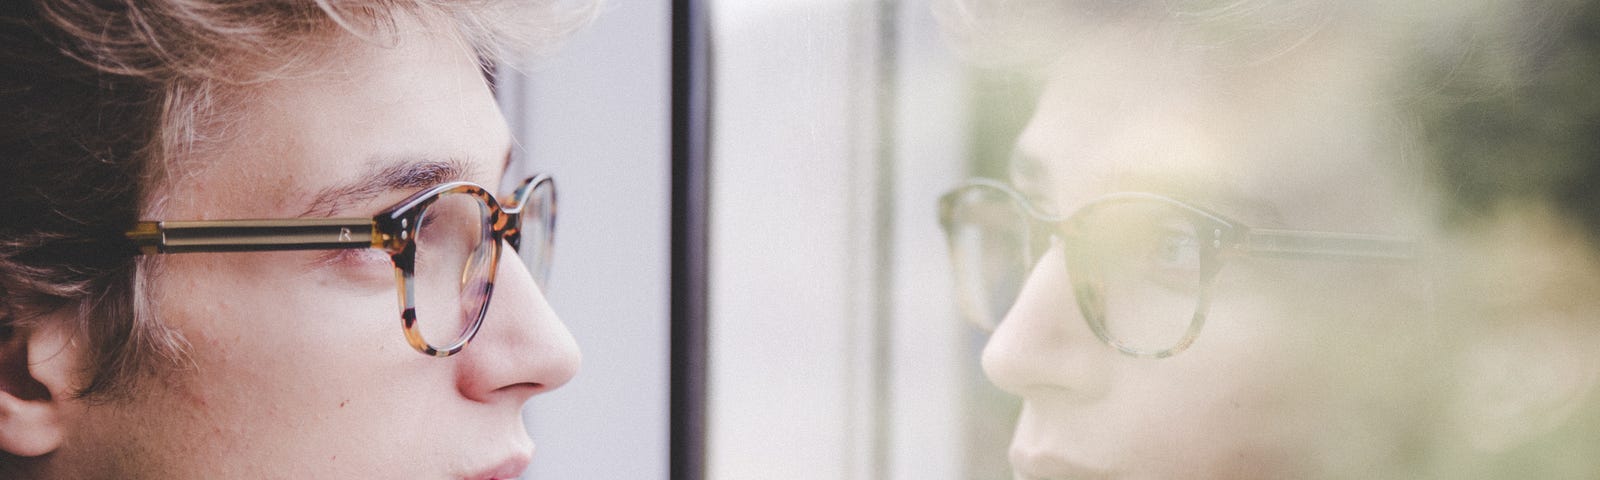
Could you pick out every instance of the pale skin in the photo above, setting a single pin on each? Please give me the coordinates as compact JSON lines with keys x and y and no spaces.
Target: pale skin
{"x":1306,"y":369}
{"x":297,"y":366}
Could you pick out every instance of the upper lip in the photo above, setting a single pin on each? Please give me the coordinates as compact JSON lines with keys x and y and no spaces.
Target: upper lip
{"x":511,"y":466}
{"x":1040,"y":464}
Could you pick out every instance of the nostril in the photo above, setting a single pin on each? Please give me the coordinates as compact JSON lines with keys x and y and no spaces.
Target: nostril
{"x":526,"y":389}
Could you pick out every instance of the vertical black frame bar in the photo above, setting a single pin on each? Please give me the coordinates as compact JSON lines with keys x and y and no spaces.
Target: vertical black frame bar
{"x":691,"y":120}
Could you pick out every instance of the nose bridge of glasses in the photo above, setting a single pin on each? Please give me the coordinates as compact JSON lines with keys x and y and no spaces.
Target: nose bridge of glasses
{"x":996,"y":240}
{"x":525,"y":191}
{"x":958,"y":203}
{"x":519,"y":195}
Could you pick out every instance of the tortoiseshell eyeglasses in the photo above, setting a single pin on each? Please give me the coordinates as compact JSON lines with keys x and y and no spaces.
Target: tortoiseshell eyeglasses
{"x":444,"y":242}
{"x":1140,"y":265}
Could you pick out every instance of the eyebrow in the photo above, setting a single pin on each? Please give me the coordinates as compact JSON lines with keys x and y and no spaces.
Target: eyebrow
{"x":383,"y":176}
{"x":1217,"y":195}
{"x":1030,"y":173}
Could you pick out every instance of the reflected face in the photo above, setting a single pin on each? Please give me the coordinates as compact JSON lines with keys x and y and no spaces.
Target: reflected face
{"x":297,"y":366}
{"x":1304,"y":368}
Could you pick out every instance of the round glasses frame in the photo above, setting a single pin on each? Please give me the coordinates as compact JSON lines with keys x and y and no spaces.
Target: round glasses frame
{"x":393,"y":230}
{"x":1219,"y":238}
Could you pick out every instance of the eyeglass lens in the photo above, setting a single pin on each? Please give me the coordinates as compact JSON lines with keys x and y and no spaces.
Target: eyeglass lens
{"x":989,"y":243}
{"x":1136,"y":273}
{"x":454,"y":254}
{"x":1134,"y":267}
{"x":538,"y":230}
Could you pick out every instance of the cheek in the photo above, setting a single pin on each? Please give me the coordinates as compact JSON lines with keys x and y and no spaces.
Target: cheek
{"x":1300,"y":365}
{"x":283,"y":358}
{"x":1237,"y":407}
{"x":1334,"y":317}
{"x":285,"y":305}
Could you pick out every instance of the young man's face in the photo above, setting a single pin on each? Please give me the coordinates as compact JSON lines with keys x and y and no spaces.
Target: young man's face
{"x":1304,"y":368}
{"x":298,"y":366}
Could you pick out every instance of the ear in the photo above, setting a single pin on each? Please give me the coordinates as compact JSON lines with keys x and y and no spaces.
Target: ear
{"x":1523,"y":380}
{"x":37,"y":368}
{"x":1528,"y":361}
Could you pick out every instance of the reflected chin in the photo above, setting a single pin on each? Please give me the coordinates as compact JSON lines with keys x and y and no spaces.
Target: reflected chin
{"x":1032,"y":463}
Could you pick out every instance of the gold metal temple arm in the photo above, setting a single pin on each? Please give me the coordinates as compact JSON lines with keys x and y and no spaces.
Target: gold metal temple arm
{"x":254,"y":235}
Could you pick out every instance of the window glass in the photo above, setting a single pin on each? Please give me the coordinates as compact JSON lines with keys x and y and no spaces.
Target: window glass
{"x":1257,"y":239}
{"x":989,"y":239}
{"x":836,"y":351}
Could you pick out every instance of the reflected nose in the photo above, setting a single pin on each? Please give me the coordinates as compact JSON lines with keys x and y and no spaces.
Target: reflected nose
{"x":1043,"y":344}
{"x":523,"y":349}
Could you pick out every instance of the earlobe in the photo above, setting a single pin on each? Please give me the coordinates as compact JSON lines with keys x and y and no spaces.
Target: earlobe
{"x":37,"y":370}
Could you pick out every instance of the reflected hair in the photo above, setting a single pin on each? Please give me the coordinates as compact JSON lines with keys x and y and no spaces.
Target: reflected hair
{"x":1029,"y":33}
{"x":105,"y":98}
{"x":1498,"y":92}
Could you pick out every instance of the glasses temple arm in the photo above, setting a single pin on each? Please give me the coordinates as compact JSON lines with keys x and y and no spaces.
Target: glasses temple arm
{"x":1292,"y":243}
{"x":255,"y":235}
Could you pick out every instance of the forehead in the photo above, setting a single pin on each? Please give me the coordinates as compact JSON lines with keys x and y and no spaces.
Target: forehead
{"x":419,"y":98}
{"x":1305,"y":140}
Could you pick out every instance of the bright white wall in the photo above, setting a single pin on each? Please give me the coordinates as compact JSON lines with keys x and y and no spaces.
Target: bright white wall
{"x":596,"y":116}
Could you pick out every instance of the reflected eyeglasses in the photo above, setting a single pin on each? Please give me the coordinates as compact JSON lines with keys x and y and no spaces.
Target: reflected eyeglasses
{"x":1141,"y":265}
{"x":444,"y":243}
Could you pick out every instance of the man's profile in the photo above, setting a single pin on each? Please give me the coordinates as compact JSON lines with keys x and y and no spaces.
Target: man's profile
{"x":268,"y":239}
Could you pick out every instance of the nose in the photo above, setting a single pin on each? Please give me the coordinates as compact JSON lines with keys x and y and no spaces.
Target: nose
{"x":1043,"y":345}
{"x":522,"y":349}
